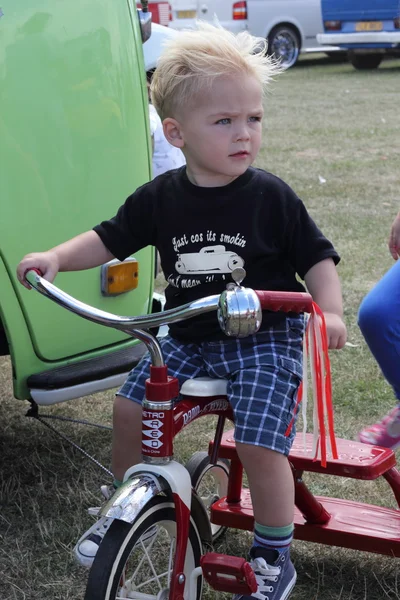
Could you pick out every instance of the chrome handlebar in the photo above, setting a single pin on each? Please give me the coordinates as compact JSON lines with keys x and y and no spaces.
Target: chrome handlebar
{"x":186,"y":311}
{"x":239,"y":313}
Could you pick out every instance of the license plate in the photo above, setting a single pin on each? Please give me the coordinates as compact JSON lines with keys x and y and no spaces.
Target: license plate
{"x":186,"y":14}
{"x":369,"y":26}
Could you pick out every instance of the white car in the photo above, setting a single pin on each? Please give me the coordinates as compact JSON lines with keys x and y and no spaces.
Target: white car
{"x":290,"y":26}
{"x":153,"y":46}
{"x":230,"y":14}
{"x":210,"y":259}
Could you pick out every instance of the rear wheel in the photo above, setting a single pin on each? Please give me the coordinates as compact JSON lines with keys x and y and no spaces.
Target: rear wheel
{"x":135,"y":560}
{"x":365,"y":61}
{"x":284,"y":44}
{"x":210,"y":482}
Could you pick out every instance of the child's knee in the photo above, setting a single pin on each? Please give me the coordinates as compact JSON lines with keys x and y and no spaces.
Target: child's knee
{"x":259,"y":457}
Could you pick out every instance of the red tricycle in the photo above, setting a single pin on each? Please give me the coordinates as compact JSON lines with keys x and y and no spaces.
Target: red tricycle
{"x":166,"y":515}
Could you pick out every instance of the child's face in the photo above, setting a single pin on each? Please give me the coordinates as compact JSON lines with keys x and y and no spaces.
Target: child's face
{"x":221,"y":130}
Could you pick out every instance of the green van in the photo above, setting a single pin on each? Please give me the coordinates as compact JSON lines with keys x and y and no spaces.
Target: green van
{"x":74,"y":143}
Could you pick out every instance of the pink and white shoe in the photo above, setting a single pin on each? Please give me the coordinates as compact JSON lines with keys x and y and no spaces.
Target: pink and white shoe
{"x":385,"y":433}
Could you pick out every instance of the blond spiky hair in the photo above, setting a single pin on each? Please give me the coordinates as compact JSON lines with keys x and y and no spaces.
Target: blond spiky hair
{"x":193,"y":59}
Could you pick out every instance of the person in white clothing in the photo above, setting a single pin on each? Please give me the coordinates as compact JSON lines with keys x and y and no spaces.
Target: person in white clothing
{"x":165,"y":156}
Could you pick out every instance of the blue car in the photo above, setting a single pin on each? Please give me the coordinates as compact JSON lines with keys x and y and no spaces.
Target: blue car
{"x":367,"y":29}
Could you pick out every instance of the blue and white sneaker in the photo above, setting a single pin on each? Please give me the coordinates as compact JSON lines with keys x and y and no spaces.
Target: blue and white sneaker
{"x":87,"y":546}
{"x":275,"y":581}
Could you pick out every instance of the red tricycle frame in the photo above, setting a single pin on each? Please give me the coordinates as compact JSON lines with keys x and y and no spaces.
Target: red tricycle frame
{"x":331,"y":521}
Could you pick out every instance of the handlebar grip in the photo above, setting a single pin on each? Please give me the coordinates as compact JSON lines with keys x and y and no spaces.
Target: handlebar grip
{"x":37,"y":271}
{"x":285,"y":301}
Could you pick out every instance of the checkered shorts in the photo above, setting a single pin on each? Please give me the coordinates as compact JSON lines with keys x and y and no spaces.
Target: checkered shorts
{"x":263,"y":372}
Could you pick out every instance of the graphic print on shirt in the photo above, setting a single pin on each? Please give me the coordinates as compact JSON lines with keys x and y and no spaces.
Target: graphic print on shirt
{"x":209,"y":263}
{"x":210,"y":259}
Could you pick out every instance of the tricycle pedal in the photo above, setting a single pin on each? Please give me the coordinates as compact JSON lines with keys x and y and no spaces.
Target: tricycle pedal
{"x":228,"y":573}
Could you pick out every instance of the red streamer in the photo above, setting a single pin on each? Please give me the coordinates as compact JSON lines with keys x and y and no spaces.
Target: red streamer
{"x":322,"y":384}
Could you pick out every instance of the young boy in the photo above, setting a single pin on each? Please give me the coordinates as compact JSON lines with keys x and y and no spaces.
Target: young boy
{"x":206,"y":219}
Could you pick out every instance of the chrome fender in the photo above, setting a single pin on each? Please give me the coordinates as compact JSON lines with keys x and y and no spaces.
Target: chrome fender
{"x":129,"y":499}
{"x":144,"y":481}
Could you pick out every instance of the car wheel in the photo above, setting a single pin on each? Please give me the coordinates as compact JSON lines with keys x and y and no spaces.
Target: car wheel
{"x":234,"y":262}
{"x":179,"y":266}
{"x":284,"y":44}
{"x":365,"y":61}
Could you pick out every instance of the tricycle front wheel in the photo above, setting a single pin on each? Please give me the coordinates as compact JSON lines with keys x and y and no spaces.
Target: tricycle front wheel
{"x":136,"y":560}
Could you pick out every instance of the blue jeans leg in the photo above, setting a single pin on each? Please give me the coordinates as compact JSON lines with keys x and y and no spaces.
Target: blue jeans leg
{"x":379,"y":321}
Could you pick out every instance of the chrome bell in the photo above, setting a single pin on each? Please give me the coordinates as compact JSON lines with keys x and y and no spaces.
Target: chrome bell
{"x":239,"y":309}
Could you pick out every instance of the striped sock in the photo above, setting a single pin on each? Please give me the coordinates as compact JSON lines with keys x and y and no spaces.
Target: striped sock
{"x":274,"y":540}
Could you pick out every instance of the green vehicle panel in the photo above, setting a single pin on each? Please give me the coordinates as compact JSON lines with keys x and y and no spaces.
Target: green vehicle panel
{"x":74,"y":143}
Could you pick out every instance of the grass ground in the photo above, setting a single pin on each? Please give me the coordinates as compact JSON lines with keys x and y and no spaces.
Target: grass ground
{"x":334,"y":135}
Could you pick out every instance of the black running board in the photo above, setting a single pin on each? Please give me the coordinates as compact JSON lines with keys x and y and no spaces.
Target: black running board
{"x":89,"y":370}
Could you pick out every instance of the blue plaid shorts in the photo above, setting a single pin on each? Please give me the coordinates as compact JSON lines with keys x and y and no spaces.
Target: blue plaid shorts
{"x":263,"y":372}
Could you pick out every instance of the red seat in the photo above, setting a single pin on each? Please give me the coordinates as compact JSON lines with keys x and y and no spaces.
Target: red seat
{"x":356,"y":460}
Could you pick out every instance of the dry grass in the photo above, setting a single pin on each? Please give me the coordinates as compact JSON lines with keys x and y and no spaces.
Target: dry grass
{"x":322,"y":120}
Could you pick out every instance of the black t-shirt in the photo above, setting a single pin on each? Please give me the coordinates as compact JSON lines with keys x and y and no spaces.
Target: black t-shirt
{"x":202,"y":234}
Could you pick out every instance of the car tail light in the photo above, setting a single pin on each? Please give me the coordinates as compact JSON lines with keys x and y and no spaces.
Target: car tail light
{"x":397,"y":23}
{"x":333,"y":25}
{"x":161,"y":11}
{"x":164,"y":12}
{"x":239,"y":11}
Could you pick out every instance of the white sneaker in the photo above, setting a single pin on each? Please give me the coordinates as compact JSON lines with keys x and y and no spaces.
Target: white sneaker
{"x":87,"y":546}
{"x":107,"y":491}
